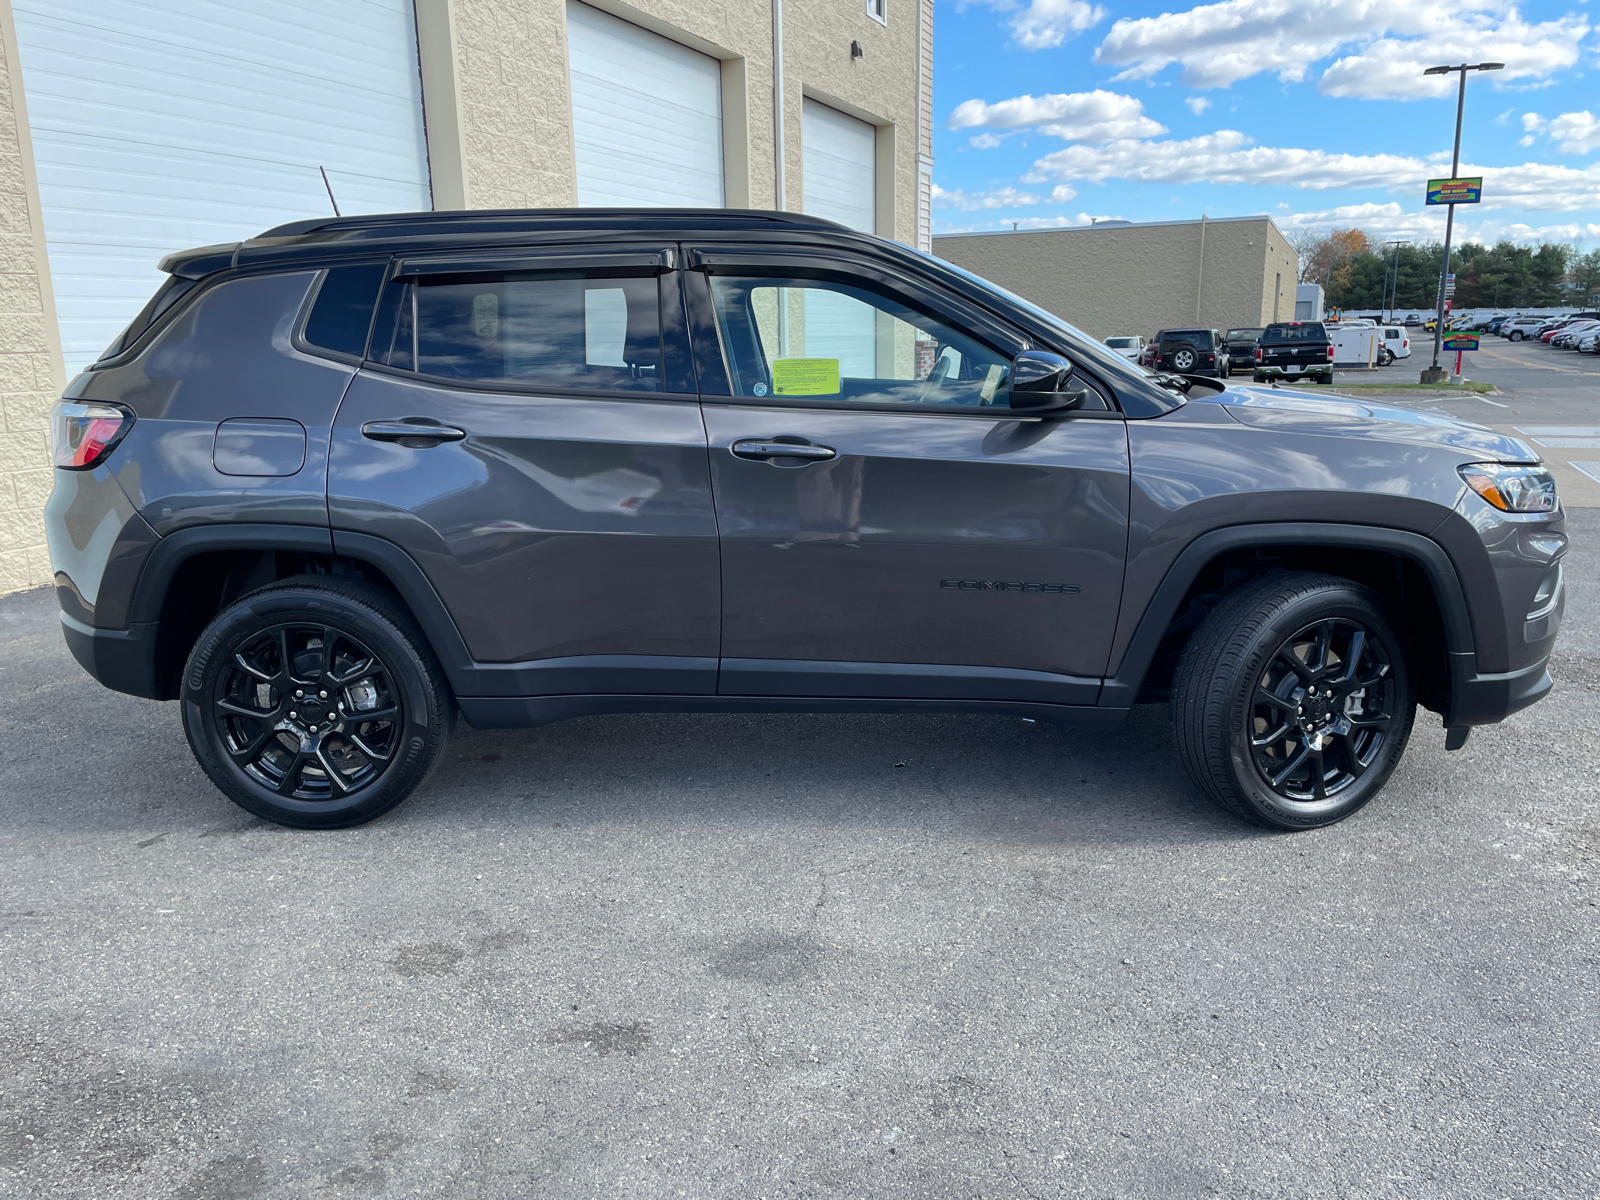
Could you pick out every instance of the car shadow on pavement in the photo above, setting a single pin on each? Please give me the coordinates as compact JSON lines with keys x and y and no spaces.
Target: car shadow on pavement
{"x":891,"y":775}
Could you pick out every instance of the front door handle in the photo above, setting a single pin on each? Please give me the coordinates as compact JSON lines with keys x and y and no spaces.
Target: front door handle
{"x":762,"y":449}
{"x":416,"y":434}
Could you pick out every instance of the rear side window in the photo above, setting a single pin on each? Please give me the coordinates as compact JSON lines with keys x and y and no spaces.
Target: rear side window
{"x":566,"y":329}
{"x":342,"y":313}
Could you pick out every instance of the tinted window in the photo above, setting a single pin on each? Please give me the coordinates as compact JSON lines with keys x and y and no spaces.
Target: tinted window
{"x":343,"y":310}
{"x":563,"y":330}
{"x":1196,"y":337}
{"x":1310,"y":331}
{"x":813,"y":339}
{"x":1243,"y":335}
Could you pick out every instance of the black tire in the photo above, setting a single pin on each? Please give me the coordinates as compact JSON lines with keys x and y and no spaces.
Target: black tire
{"x":1190,"y":359}
{"x":315,"y":763}
{"x":1233,"y":679}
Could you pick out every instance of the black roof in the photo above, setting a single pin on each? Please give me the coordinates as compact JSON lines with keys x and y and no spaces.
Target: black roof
{"x":334,"y":237}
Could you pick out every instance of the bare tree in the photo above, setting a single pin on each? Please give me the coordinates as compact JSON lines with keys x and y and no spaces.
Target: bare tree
{"x":1304,"y":243}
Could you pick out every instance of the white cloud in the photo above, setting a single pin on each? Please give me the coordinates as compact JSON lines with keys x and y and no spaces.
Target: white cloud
{"x":1197,"y":104}
{"x":985,"y":141}
{"x":1076,"y":222}
{"x":1391,"y":68}
{"x":1505,"y":117}
{"x":1096,"y":116}
{"x":1573,"y":132}
{"x":1227,"y":157}
{"x":1044,"y":24}
{"x":1384,"y":221}
{"x":1006,"y":197}
{"x":1576,"y":132}
{"x":1216,"y":45}
{"x":1224,"y":157}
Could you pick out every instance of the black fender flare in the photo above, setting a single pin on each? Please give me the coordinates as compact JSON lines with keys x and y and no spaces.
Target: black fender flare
{"x":1120,"y":690}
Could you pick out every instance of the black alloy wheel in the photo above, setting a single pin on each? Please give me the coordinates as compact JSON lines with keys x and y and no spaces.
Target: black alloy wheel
{"x":1322,"y":710}
{"x":308,"y":711}
{"x":1292,"y":702}
{"x":316,"y":703}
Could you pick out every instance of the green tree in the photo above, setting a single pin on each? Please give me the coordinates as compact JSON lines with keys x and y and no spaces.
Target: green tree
{"x":1584,"y":278}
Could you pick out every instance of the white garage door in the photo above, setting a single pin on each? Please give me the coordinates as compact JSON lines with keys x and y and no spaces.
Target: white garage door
{"x":646,"y":116}
{"x":160,"y":126}
{"x":839,"y":167}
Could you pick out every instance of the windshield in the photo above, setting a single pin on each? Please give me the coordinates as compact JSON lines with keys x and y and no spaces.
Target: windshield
{"x":1104,"y":359}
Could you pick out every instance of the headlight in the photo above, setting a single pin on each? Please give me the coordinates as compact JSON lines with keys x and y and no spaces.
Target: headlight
{"x":1511,"y":487}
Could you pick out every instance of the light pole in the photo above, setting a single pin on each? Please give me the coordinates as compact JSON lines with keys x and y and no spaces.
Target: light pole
{"x":1433,"y":374}
{"x":1394,"y":289}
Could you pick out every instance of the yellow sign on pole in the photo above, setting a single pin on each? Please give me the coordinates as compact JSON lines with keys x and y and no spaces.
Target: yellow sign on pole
{"x":805,"y":377}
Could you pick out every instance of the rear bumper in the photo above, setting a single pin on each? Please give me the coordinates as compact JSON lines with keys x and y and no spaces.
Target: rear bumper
{"x":122,"y":659}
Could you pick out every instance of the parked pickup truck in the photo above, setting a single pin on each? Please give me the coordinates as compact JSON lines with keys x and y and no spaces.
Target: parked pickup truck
{"x":1298,"y":349}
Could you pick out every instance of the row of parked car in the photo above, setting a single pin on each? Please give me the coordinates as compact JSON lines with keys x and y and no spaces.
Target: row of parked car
{"x":1580,"y":332}
{"x":1212,"y":352}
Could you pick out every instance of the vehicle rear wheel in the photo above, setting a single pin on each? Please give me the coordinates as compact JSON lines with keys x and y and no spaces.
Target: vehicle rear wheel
{"x":316,"y":703}
{"x":1292,"y":702}
{"x":1516,"y":335}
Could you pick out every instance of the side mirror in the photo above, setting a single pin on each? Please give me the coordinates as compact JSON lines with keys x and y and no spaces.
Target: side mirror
{"x":1042,"y":382}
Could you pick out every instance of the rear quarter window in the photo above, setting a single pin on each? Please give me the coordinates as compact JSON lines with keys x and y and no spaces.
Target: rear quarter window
{"x":342,"y":312}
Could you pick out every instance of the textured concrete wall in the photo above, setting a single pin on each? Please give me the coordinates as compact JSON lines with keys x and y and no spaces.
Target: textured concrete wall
{"x":513,"y":99}
{"x":880,"y":86}
{"x":30,"y":346}
{"x":1135,"y":279}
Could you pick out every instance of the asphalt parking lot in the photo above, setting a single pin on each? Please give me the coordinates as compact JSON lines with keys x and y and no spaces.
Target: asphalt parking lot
{"x":802,"y":956}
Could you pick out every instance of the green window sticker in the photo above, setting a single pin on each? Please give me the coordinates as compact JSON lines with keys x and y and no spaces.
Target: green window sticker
{"x":805,"y":377}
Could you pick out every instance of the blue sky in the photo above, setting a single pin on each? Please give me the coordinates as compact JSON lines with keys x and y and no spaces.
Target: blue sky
{"x":1316,"y":112}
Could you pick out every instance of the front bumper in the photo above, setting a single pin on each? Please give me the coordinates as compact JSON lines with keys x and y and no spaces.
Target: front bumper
{"x":1484,"y":699}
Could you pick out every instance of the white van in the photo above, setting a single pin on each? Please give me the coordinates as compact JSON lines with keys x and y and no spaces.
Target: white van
{"x":1396,"y":344}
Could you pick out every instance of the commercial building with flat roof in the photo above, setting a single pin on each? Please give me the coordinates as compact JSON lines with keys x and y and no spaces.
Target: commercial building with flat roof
{"x":1124,"y":278}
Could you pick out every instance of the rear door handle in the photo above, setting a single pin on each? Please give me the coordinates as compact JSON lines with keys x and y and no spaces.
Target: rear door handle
{"x":413,"y":433}
{"x":759,"y":449}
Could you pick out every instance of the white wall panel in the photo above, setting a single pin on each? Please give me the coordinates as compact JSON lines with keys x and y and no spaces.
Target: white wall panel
{"x":166,"y":124}
{"x":646,"y":116}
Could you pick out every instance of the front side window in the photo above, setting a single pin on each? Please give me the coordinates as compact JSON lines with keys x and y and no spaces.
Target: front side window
{"x":815,"y":339}
{"x":559,"y":329}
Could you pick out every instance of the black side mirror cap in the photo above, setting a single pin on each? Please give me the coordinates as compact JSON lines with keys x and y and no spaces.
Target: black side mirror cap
{"x":1042,"y":382}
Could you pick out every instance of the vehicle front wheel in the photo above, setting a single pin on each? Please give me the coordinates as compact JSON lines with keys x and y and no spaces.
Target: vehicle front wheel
{"x":1292,"y":702}
{"x":1516,"y":335}
{"x":316,"y":703}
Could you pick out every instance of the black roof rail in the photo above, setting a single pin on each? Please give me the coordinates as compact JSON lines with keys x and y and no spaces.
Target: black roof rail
{"x":509,"y":219}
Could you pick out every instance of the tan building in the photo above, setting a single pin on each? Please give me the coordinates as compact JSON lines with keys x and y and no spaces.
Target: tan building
{"x":1120,"y":278}
{"x":133,"y":131}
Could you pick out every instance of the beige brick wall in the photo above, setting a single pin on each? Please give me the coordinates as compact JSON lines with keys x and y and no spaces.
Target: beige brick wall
{"x":30,"y":347}
{"x":1136,"y":279}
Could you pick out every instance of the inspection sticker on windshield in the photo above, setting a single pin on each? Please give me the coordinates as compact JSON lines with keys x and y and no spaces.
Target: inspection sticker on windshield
{"x":805,"y":377}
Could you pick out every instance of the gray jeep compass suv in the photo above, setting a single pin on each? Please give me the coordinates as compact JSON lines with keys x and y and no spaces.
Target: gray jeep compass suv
{"x":339,"y":482}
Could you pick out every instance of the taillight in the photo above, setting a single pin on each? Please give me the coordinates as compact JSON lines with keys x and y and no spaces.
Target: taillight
{"x":1330,"y":353}
{"x":1258,"y":353}
{"x":83,"y":433}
